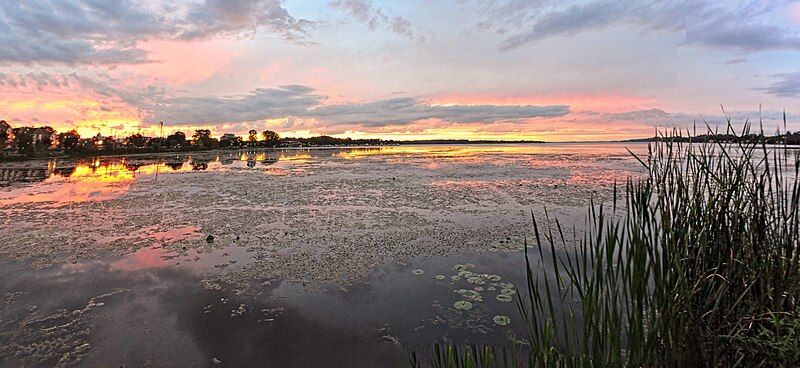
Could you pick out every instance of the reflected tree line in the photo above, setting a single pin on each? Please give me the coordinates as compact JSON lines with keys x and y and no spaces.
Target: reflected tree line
{"x":46,"y":169}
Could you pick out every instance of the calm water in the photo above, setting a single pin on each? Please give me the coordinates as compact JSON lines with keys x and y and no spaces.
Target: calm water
{"x":323,"y":257}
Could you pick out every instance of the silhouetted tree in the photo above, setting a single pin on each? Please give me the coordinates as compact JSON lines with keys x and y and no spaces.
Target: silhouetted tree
{"x":69,"y":140}
{"x":270,"y":138}
{"x":156,"y":142}
{"x":176,"y":139}
{"x":230,"y":140}
{"x":5,"y":133}
{"x":202,"y":138}
{"x":136,"y":140}
{"x":252,"y":136}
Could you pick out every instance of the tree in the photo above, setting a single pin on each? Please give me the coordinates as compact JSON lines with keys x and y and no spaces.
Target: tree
{"x":176,"y":139}
{"x":271,"y":138}
{"x":136,"y":140}
{"x":230,"y":140}
{"x":5,"y":133}
{"x":202,"y":138}
{"x":252,"y":136}
{"x":69,"y":140}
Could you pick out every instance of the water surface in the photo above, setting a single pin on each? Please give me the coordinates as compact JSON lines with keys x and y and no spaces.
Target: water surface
{"x":320,"y":257}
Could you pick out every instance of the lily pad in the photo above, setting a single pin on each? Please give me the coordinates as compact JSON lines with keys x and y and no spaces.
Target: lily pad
{"x":508,"y":291}
{"x":439,"y":277}
{"x":418,"y":271}
{"x":462,"y":305}
{"x":505,"y":298}
{"x":501,"y":320}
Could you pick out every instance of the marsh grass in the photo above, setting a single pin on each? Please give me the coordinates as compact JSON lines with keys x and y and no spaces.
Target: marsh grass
{"x":694,"y":265}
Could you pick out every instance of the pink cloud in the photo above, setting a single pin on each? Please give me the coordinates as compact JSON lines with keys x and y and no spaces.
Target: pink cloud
{"x":180,"y":62}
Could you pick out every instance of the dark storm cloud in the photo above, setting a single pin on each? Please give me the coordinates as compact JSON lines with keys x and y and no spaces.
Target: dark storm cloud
{"x":301,"y":101}
{"x":788,"y":85}
{"x":738,"y":26}
{"x":107,"y":32}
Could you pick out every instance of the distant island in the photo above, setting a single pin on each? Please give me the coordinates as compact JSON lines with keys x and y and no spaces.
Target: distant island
{"x":41,"y":142}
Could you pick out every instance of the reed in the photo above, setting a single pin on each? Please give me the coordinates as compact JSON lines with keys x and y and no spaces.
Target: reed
{"x":693,"y":265}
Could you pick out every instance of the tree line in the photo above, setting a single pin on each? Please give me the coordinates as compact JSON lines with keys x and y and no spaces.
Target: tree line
{"x":43,"y":141}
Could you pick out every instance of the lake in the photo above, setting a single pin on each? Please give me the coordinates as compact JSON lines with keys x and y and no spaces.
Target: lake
{"x":337,"y":257}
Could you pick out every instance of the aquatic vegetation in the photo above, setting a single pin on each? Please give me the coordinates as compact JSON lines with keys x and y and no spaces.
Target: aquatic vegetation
{"x":699,"y":267}
{"x":418,"y":271}
{"x":462,"y":305}
{"x":440,"y":277}
{"x":505,"y":298}
{"x":501,"y":320}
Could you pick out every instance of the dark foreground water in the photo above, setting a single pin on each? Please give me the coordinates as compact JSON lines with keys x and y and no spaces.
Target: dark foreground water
{"x":323,"y":258}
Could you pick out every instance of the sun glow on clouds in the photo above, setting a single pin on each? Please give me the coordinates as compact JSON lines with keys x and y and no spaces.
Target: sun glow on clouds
{"x":66,"y":108}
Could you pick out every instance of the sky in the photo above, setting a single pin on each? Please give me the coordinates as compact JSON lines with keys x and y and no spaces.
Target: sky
{"x":475,"y":69}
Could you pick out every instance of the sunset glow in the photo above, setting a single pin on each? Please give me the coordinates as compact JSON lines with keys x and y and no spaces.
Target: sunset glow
{"x":304,"y":70}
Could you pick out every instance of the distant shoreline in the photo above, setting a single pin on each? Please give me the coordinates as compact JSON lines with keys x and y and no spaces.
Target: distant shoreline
{"x":56,"y":154}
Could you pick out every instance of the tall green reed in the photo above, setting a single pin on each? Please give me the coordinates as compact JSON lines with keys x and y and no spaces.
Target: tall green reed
{"x":694,"y":265}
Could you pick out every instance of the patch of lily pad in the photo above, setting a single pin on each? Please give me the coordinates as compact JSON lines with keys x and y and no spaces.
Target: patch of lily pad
{"x":501,"y":320}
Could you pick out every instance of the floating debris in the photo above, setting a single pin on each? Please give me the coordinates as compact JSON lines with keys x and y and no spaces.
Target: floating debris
{"x":440,"y":277}
{"x":215,"y":360}
{"x":462,"y":305}
{"x":505,"y":298}
{"x":470,"y":295}
{"x":418,"y":271}
{"x":501,"y":320}
{"x":210,"y":239}
{"x":239,"y":311}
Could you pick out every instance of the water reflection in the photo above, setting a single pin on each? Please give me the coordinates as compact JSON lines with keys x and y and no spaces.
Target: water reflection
{"x":102,"y":178}
{"x":115,"y":312}
{"x":96,"y":179}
